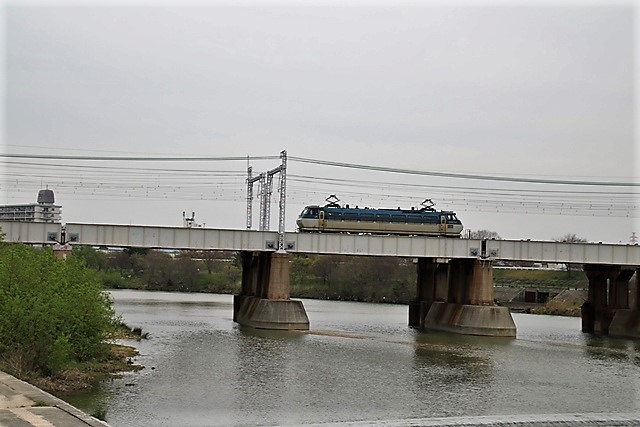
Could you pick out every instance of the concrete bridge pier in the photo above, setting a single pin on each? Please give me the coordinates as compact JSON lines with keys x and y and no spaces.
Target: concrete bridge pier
{"x":431,"y":285}
{"x":626,"y":319}
{"x":596,"y":312}
{"x":469,"y":307}
{"x":263,"y":302}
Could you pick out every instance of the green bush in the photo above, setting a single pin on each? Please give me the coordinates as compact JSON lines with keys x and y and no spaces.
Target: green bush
{"x":115,"y":280}
{"x":54,"y":312}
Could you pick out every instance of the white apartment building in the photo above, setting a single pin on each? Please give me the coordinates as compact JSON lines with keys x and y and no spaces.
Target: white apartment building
{"x":43,"y":211}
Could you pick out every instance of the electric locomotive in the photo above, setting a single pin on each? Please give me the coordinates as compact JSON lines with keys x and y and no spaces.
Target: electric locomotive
{"x":333,"y":218}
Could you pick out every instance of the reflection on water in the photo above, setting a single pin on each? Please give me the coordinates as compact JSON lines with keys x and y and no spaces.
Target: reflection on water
{"x":449,"y":375}
{"x":359,"y":362}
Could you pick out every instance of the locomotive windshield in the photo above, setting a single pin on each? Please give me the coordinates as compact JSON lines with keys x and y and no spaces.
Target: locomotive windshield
{"x":309,"y":212}
{"x":452,"y":218}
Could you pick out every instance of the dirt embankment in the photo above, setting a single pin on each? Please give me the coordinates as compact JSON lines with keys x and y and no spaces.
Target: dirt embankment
{"x":566,"y":302}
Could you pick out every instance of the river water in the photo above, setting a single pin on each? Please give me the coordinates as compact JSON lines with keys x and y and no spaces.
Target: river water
{"x":359,"y":362}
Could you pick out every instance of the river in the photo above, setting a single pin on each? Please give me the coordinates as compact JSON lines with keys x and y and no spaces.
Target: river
{"x":359,"y":362}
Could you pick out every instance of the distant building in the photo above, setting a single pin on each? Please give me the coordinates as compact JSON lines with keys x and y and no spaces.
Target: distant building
{"x":43,"y":211}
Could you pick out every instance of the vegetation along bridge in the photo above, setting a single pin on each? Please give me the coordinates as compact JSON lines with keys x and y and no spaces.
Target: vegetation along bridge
{"x":454,"y":290}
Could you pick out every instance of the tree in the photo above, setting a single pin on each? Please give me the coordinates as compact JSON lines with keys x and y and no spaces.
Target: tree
{"x":374,"y":279}
{"x":300,"y":268}
{"x":184,"y":272}
{"x":213,"y":260}
{"x":91,"y":257}
{"x":570,"y":238}
{"x":484,"y":235}
{"x":54,"y":312}
{"x":208,"y":258}
{"x":325,"y":266}
{"x":156,"y":266}
{"x":120,"y":261}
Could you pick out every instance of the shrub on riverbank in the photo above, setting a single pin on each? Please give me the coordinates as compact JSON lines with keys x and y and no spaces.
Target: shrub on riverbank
{"x":55,"y":313}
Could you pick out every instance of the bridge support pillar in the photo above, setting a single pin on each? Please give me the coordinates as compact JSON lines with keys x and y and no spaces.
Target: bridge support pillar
{"x":425,"y":290}
{"x":263,"y":301}
{"x":596,"y":311}
{"x":469,"y":308}
{"x":626,"y":319}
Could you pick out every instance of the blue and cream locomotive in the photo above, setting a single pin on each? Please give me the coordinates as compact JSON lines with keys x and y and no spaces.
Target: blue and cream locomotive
{"x":334,"y":218}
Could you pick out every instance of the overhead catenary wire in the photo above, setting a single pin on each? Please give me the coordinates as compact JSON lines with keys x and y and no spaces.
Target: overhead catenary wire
{"x":323,"y":163}
{"x":137,"y":158}
{"x":462,"y":175}
{"x":97,"y":176}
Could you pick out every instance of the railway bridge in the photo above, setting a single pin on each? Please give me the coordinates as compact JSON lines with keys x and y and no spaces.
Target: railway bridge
{"x":454,"y":289}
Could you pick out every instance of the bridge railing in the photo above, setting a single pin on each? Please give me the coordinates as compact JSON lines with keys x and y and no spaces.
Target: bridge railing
{"x":445,"y":247}
{"x":566,"y":253}
{"x":31,"y":232}
{"x":113,"y":235}
{"x":169,"y":237}
{"x":403,"y":246}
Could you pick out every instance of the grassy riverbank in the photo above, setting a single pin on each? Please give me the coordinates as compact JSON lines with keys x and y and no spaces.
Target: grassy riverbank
{"x":543,"y":279}
{"x":82,"y":376}
{"x":85,"y":376}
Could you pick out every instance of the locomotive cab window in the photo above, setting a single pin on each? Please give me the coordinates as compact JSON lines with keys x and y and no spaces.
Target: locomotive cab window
{"x":310,"y":213}
{"x":452,"y":218}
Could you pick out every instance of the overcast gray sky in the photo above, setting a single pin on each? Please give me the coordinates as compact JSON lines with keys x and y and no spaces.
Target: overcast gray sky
{"x":535,"y":90}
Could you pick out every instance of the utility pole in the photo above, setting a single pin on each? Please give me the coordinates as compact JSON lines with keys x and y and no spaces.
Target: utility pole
{"x":249,"y":194}
{"x":266,"y":189}
{"x":283,"y":200}
{"x":250,"y":180}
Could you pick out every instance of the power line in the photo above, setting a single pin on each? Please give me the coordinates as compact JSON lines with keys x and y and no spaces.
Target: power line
{"x":136,"y":158}
{"x":377,"y":184}
{"x":121,"y":168}
{"x":159,"y":183}
{"x":328,"y":163}
{"x":462,"y":175}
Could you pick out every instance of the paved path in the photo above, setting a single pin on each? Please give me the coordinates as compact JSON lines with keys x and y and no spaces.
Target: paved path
{"x":23,"y":405}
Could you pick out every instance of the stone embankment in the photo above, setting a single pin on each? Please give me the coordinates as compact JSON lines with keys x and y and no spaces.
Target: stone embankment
{"x":22,"y":404}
